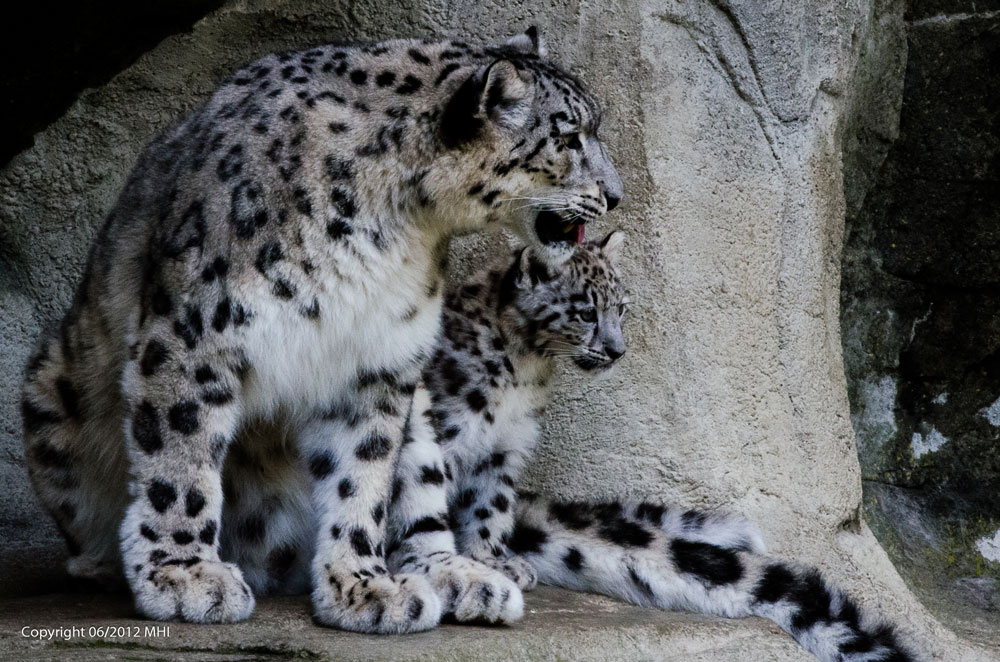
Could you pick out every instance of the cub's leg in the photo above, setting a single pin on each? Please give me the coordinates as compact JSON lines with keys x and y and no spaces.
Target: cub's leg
{"x":483,"y":509}
{"x":420,"y":540}
{"x":182,"y":397}
{"x":75,"y":454}
{"x":351,"y":453}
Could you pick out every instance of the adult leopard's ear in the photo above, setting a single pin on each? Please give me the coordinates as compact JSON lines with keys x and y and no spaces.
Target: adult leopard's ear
{"x":498,"y":94}
{"x":611,"y":245}
{"x":506,"y":95}
{"x":528,"y":42}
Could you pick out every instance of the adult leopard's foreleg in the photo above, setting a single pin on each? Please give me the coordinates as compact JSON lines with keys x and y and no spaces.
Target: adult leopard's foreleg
{"x":182,"y":393}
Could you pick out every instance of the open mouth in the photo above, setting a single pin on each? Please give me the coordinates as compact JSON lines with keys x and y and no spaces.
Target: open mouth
{"x":551,"y":228}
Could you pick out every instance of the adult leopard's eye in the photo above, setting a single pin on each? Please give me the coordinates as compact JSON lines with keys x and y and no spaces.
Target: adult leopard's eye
{"x":622,"y":309}
{"x":589,"y":316}
{"x":572,"y":140}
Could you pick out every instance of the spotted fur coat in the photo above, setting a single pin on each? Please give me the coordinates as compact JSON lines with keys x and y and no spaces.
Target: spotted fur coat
{"x":272,"y":269}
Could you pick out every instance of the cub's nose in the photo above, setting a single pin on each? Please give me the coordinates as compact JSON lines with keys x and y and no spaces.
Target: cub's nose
{"x":614,"y":353}
{"x":612,"y":200}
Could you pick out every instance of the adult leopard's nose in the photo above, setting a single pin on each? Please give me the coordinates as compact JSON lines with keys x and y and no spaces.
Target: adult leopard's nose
{"x":611,"y":186}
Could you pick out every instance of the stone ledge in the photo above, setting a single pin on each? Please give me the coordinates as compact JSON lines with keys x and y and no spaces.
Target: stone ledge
{"x":558,"y":625}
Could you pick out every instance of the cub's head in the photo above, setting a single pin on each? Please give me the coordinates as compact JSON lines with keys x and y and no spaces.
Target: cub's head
{"x":574,"y":308}
{"x":524,"y":136}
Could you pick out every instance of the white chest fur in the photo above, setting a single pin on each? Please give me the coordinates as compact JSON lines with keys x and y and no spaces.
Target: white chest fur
{"x":374,"y":316}
{"x":519,"y":406}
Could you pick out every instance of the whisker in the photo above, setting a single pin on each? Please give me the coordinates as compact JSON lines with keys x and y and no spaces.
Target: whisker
{"x":550,"y":207}
{"x":534,"y":199}
{"x":566,"y":349}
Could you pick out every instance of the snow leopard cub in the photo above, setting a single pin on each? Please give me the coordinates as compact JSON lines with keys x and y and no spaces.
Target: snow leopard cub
{"x":490,"y":375}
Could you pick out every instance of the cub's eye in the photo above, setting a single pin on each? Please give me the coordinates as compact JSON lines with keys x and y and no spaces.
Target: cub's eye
{"x":572,"y":140}
{"x":622,"y":309}
{"x":589,"y":316}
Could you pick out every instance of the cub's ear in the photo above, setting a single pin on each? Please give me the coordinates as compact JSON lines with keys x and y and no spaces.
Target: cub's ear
{"x":611,"y":245}
{"x":531,"y":270}
{"x":506,"y":95}
{"x":528,"y":42}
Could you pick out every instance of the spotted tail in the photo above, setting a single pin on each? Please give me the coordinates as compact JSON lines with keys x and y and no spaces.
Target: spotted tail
{"x":713,"y":564}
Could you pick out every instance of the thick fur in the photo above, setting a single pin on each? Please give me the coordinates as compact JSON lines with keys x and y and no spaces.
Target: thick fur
{"x":269,"y":285}
{"x":490,"y":375}
{"x":652,"y":555}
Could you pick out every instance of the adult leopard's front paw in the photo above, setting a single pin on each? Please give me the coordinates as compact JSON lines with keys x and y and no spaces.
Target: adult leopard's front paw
{"x":382,"y":604}
{"x":516,"y":568}
{"x":470,"y":590}
{"x":199,"y":592}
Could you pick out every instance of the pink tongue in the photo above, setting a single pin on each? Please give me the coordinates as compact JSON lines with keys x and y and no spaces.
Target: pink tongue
{"x":579,"y":233}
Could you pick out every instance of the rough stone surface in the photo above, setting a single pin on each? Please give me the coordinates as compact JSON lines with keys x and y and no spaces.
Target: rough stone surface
{"x":872,"y":112}
{"x":921,"y":317}
{"x":560,"y":626}
{"x":727,"y":123}
{"x":61,"y":48}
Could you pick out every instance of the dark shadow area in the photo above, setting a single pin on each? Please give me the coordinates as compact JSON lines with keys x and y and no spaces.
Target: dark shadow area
{"x":920,"y":319}
{"x":55,"y":49}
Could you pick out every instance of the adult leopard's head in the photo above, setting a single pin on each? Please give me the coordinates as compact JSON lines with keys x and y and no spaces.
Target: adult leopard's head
{"x":574,"y":308}
{"x":523,"y":134}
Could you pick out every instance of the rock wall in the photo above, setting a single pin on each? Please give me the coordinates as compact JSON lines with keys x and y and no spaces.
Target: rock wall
{"x":921,"y":317}
{"x":59,"y":53}
{"x":727,"y":122}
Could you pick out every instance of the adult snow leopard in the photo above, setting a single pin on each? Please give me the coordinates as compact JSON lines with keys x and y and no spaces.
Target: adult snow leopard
{"x":275,"y":260}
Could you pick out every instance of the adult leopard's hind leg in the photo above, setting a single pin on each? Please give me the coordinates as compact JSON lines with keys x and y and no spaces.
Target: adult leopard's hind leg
{"x":420,"y":538}
{"x":74,"y":450}
{"x":182,"y":392}
{"x":268,"y":521}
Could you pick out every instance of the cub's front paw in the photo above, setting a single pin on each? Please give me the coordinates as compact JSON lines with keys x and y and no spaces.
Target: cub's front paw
{"x":519,"y":570}
{"x":194,"y":591}
{"x":381,"y":604}
{"x":471,"y":590}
